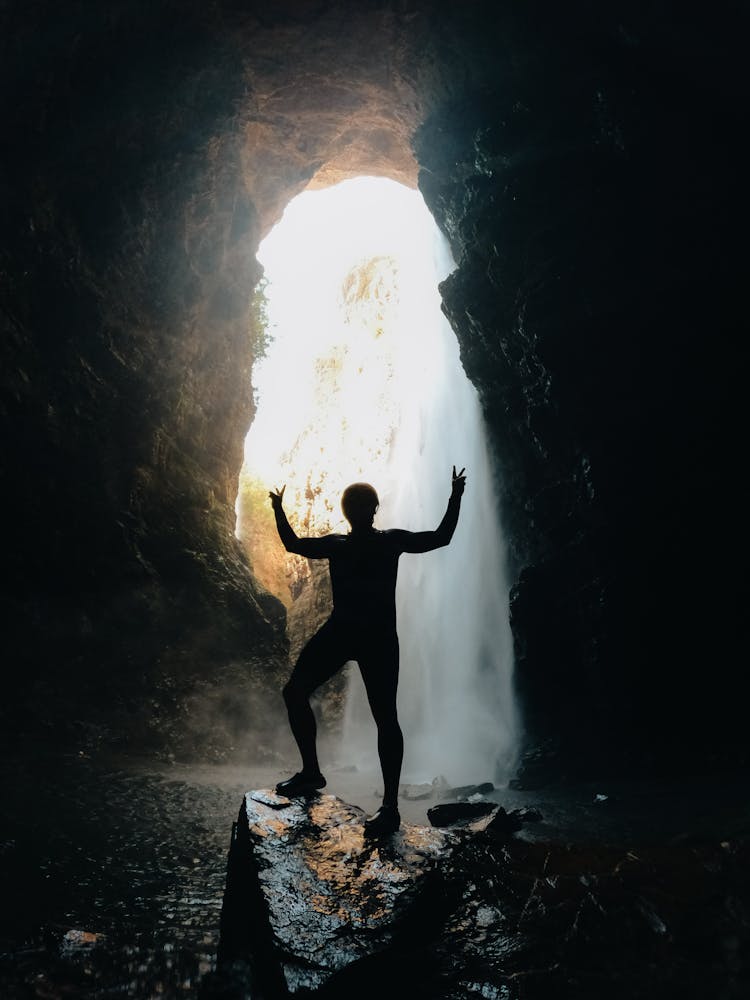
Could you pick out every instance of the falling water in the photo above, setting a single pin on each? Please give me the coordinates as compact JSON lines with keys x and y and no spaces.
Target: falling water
{"x":417,"y":414}
{"x":455,"y":699}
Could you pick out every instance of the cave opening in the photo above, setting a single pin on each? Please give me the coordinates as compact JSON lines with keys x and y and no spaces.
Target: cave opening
{"x":362,"y":380}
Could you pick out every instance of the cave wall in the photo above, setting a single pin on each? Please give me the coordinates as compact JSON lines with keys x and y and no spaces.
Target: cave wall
{"x":585,"y":167}
{"x":153,"y":145}
{"x":592,"y":192}
{"x":129,"y":252}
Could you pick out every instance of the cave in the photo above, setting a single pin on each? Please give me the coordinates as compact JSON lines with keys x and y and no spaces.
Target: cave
{"x":584,"y":163}
{"x":595,"y":299}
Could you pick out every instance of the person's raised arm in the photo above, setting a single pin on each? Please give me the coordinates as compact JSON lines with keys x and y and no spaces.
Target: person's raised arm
{"x":284,"y":528}
{"x":312,"y":548}
{"x":425,"y":541}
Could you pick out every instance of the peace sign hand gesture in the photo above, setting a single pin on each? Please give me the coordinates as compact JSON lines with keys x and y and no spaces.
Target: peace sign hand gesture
{"x":277,"y":497}
{"x":459,"y":482}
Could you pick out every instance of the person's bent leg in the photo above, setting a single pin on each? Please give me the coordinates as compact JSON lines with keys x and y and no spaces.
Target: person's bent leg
{"x":302,"y":723}
{"x":318,"y":661}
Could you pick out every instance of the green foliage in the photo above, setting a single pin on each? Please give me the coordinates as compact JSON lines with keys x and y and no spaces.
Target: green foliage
{"x":259,"y":321}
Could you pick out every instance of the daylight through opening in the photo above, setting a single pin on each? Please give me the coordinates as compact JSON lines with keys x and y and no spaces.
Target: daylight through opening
{"x":362,"y":380}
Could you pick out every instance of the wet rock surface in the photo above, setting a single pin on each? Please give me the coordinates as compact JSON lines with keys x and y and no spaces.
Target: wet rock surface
{"x":318,"y":897}
{"x":475,"y":914}
{"x":549,"y":919}
{"x":113,"y":876}
{"x":453,"y":812}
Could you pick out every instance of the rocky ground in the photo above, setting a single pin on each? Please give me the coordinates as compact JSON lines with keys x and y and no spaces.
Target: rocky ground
{"x":114,"y":874}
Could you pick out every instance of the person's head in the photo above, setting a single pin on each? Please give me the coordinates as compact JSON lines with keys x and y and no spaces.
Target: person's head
{"x":359,"y":503}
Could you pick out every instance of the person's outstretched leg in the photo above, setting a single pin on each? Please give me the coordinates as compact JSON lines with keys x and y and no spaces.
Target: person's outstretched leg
{"x":320,"y":659}
{"x":379,"y":668}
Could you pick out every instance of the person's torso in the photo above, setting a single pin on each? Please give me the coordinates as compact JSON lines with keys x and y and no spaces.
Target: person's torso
{"x":363,"y":577}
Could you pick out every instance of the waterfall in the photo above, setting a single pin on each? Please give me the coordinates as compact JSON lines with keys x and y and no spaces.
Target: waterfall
{"x":389,"y":403}
{"x":455,"y":692}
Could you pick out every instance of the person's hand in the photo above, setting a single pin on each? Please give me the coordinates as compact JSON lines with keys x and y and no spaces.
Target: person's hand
{"x":277,"y":496}
{"x":459,"y":482}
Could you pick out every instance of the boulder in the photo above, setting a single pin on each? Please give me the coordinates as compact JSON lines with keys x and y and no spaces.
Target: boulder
{"x":312,"y":909}
{"x":448,"y":813}
{"x":503,"y":824}
{"x":310,"y":901}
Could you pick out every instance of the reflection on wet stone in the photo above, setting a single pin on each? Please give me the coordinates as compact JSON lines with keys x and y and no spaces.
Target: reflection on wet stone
{"x":489,"y":908}
{"x":330,"y":897}
{"x":120,"y":894}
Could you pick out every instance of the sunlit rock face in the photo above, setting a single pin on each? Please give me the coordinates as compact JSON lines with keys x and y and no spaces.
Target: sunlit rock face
{"x":582,"y":160}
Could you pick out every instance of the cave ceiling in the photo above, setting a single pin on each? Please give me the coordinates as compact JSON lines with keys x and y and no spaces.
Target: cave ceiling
{"x":327,"y":105}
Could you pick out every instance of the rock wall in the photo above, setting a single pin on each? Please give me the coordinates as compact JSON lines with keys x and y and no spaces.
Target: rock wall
{"x":590,"y":192}
{"x":152,"y":147}
{"x":583,"y":164}
{"x":128,"y":262}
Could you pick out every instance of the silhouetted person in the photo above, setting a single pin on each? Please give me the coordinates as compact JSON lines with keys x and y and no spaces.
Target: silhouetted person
{"x":362,"y":627}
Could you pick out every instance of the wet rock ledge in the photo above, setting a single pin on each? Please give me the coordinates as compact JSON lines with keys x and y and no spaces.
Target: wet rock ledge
{"x":489,"y":908}
{"x":311,"y":904}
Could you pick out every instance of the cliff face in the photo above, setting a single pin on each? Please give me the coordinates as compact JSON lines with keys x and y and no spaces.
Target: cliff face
{"x":596,"y":303}
{"x":584,"y":167}
{"x":152,"y":149}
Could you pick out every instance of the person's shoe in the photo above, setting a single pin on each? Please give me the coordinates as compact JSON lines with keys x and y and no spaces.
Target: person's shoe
{"x":300,"y":784}
{"x":386,"y":820}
